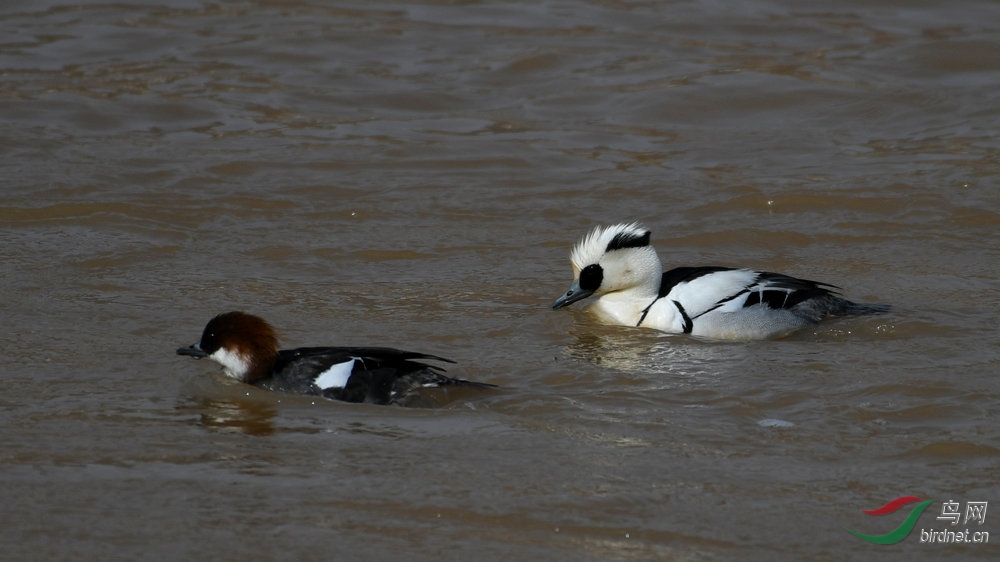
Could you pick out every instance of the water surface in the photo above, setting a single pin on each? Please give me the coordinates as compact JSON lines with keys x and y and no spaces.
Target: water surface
{"x":413,"y":174}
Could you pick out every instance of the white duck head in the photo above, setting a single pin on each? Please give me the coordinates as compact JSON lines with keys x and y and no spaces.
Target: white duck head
{"x":613,"y":259}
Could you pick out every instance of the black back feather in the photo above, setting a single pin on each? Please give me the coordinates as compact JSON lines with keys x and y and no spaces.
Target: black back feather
{"x":679,"y":275}
{"x":379,"y":376}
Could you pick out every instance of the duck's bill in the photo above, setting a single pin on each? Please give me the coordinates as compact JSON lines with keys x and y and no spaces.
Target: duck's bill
{"x":193,"y":350}
{"x":575,"y":293}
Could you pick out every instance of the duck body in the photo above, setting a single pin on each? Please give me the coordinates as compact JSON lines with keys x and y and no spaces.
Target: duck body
{"x":618,"y":265}
{"x":247,"y":348}
{"x":378,"y":375}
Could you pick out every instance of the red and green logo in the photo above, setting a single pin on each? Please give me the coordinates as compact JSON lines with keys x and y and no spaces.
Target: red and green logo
{"x":899,"y":533}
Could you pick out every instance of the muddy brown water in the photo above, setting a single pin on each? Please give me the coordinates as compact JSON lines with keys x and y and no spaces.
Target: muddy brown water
{"x":413,"y":174}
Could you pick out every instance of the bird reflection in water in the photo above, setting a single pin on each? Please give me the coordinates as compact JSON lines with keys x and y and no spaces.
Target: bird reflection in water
{"x":233,"y":415}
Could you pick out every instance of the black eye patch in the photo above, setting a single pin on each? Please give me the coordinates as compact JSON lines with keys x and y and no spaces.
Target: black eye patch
{"x":591,"y":277}
{"x":209,"y":341}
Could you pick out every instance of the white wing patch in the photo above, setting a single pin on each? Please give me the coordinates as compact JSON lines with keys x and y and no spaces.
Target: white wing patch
{"x":703,"y":293}
{"x":336,"y":376}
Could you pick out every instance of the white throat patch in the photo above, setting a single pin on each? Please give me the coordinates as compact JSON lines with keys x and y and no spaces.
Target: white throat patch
{"x":233,"y":363}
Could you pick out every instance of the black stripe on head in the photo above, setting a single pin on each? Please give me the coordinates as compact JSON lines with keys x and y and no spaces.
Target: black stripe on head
{"x":629,"y":239}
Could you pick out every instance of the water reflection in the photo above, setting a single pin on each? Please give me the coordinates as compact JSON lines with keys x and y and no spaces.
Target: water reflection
{"x":646,"y":352}
{"x":231,"y":407}
{"x":243,"y":416}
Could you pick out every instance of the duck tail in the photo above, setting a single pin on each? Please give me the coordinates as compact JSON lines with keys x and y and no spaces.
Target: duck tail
{"x":815,"y":309}
{"x":850,"y":308}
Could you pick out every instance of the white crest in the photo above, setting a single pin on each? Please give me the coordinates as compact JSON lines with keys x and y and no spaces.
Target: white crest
{"x":595,"y":244}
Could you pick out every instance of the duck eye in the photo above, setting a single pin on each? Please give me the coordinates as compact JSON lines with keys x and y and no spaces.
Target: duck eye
{"x":208,"y":340}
